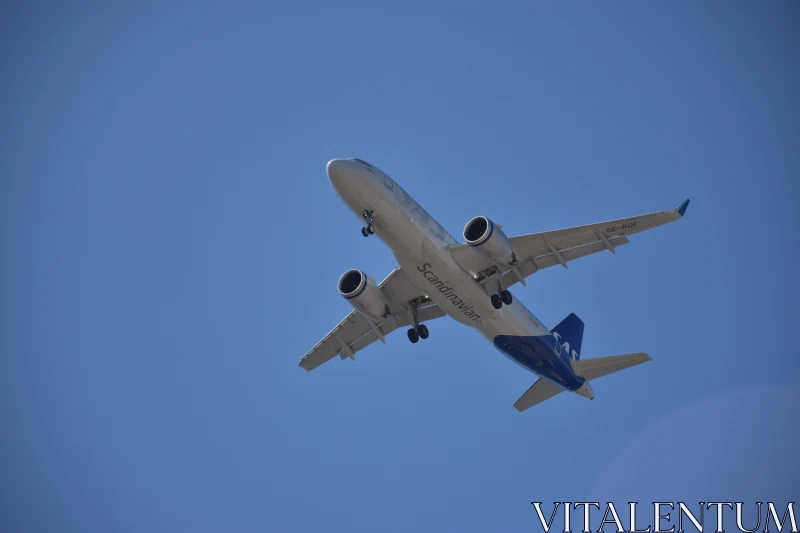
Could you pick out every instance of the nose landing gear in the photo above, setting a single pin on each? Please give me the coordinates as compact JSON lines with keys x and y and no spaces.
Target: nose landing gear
{"x":368,"y":216}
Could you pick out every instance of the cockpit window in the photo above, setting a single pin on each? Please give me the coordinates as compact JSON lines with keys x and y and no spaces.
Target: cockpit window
{"x":363,"y":162}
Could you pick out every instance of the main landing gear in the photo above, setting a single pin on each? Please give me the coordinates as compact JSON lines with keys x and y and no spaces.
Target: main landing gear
{"x":503,"y":297}
{"x":369,"y":216}
{"x":419,"y":331}
{"x":414,"y":335}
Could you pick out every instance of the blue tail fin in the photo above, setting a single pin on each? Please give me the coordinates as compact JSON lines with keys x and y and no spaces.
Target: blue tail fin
{"x":570,"y":332}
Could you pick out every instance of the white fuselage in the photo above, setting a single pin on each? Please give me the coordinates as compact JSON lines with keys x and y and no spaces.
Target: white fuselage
{"x":422,"y":248}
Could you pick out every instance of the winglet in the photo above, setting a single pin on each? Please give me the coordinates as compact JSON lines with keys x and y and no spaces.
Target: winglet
{"x":682,"y":208}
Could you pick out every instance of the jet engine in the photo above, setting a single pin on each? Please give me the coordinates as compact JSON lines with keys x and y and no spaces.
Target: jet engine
{"x":490,"y":241}
{"x":363,"y":294}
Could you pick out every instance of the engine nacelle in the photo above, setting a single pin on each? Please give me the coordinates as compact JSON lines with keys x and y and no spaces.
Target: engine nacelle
{"x":363,"y":294}
{"x":490,"y":241}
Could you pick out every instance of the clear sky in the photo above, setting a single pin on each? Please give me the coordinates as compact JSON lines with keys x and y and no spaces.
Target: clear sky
{"x":171,"y":247}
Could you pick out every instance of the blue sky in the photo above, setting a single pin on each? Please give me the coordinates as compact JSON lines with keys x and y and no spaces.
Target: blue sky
{"x":172,"y":246}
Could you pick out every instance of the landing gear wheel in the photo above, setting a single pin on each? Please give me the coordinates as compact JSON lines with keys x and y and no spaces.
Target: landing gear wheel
{"x":496,"y":303}
{"x":368,"y":217}
{"x":506,"y":297}
{"x":422,"y":330}
{"x":412,"y":336}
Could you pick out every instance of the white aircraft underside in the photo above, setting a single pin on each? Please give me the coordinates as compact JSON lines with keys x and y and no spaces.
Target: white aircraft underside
{"x":469,"y":282}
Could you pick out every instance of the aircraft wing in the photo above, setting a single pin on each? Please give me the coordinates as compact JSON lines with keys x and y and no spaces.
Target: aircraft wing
{"x":536,"y":251}
{"x":355,"y":332}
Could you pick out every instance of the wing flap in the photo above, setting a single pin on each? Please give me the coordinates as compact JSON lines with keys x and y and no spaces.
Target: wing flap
{"x":430,"y":312}
{"x":475,"y":264}
{"x":540,"y":391}
{"x":369,"y":337}
{"x":549,"y":260}
{"x":531,"y":266}
{"x":398,"y":321}
{"x":349,"y":330}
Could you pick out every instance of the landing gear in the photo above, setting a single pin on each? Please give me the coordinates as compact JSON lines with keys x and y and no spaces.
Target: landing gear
{"x":368,"y":216}
{"x":502,"y":297}
{"x":414,"y":335}
{"x":419,"y":331}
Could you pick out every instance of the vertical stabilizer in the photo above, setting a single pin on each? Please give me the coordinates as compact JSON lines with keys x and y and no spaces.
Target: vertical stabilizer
{"x":570,"y":332}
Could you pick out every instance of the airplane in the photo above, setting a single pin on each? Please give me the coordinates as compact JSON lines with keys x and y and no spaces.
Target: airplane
{"x":469,"y":282}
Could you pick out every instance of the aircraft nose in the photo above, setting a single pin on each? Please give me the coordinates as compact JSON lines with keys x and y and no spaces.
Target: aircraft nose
{"x":340,"y":173}
{"x":335,"y":170}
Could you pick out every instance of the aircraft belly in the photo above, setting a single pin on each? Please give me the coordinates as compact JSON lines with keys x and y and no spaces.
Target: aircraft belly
{"x":394,"y":226}
{"x":445,"y":285}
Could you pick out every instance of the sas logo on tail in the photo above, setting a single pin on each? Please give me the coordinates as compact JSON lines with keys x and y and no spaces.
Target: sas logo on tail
{"x":564,"y":348}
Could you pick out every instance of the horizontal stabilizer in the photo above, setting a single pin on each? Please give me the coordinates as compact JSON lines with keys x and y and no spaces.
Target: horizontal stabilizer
{"x":540,"y":391}
{"x":602,"y":366}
